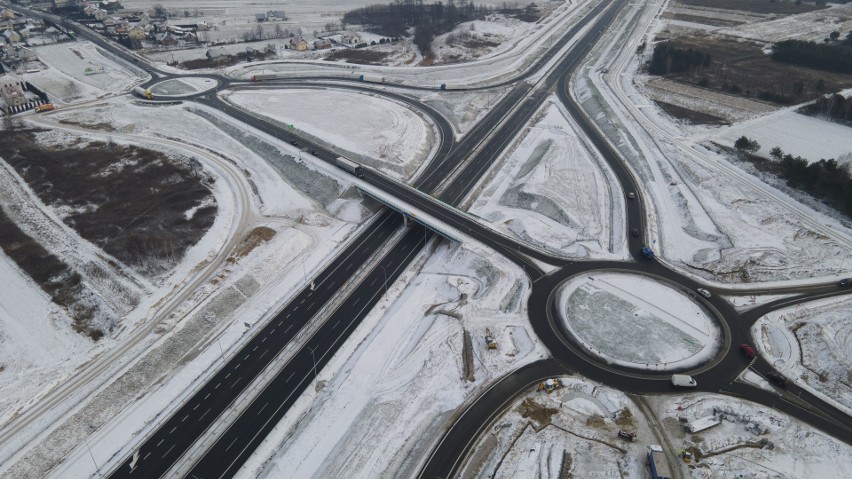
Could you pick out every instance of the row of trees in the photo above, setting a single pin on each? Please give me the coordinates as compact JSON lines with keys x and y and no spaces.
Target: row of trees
{"x":670,"y":59}
{"x":835,"y":106}
{"x":824,"y":179}
{"x":395,"y":19}
{"x":835,"y":58}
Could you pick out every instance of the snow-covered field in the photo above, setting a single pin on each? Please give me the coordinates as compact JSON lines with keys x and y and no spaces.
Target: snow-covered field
{"x":553,"y":192}
{"x":36,"y":341}
{"x":811,"y":344}
{"x":382,"y":133}
{"x":812,"y":26}
{"x":752,"y":441}
{"x":479,"y":39}
{"x":66,"y":80}
{"x":386,"y":396}
{"x":713,"y":219}
{"x":267,"y":189}
{"x":809,"y":137}
{"x":638,"y":322}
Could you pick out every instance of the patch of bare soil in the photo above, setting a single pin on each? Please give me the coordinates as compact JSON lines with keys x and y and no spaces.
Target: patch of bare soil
{"x":712,"y":21}
{"x":140,"y":206}
{"x":691,"y":116}
{"x":360,"y":56}
{"x":537,"y":412}
{"x":741,"y":68}
{"x":757,"y":6}
{"x":89,"y":126}
{"x":56,"y":278}
{"x":222,"y":61}
{"x":595,"y":420}
{"x":255,"y":238}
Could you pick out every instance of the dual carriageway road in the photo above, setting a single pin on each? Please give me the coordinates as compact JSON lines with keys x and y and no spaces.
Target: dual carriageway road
{"x":231,"y":449}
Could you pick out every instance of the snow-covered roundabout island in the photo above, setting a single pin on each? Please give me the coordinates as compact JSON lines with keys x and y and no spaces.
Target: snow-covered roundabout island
{"x":636,"y":321}
{"x":180,"y":87}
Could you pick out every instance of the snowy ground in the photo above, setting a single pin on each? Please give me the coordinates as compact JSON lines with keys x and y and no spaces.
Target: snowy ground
{"x":713,"y":219}
{"x":183,"y":86}
{"x":812,"y":346}
{"x":810,"y":137}
{"x":752,"y":441}
{"x":381,"y":133}
{"x":637,"y":322}
{"x":33,"y":351}
{"x":386,"y":396}
{"x":462,"y":109}
{"x":812,"y":26}
{"x":572,"y":430}
{"x":65,"y":80}
{"x":523,"y":53}
{"x":268,"y":188}
{"x":553,"y":192}
{"x":479,"y":39}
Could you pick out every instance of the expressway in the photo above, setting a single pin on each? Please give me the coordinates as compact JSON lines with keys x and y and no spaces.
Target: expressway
{"x":160,"y":451}
{"x":173,"y":438}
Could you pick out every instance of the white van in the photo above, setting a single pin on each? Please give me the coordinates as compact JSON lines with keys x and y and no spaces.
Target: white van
{"x":683,"y":381}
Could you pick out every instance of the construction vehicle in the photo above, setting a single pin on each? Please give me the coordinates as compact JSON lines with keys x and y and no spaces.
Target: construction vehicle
{"x":550,"y":385}
{"x":657,"y":463}
{"x":489,"y":340}
{"x":45,"y":107}
{"x":629,"y":435}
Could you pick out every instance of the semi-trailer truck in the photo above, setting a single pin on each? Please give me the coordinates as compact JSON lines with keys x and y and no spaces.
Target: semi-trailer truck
{"x":371,"y":77}
{"x":657,"y":463}
{"x":349,"y":166}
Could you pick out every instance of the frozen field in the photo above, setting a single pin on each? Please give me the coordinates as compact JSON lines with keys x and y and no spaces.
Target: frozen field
{"x":800,"y":135}
{"x":710,"y":218}
{"x":67,"y":80}
{"x":385,"y":397}
{"x":38,"y":347}
{"x":812,"y":346}
{"x":552,"y":192}
{"x":382,"y":133}
{"x":812,"y":26}
{"x":637,"y":322}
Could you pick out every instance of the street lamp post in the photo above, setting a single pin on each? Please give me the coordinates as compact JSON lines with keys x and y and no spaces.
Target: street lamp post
{"x":314,"y":358}
{"x":97,"y":468}
{"x":386,"y":280}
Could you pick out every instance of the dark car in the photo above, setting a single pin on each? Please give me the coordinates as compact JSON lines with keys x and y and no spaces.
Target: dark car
{"x":635,"y":231}
{"x":845,"y":282}
{"x":314,"y":152}
{"x":748,"y":351}
{"x":294,"y":142}
{"x":777,"y":379}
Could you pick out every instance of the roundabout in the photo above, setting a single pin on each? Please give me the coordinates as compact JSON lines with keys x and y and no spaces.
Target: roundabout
{"x":636,"y":322}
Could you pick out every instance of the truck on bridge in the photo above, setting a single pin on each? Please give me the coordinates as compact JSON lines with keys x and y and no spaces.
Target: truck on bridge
{"x":657,"y":463}
{"x":349,"y":166}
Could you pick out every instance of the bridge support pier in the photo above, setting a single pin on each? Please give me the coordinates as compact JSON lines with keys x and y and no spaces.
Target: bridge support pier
{"x":405,"y":220}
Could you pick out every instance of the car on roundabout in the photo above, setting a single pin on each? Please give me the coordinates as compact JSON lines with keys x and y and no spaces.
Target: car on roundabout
{"x":748,"y":351}
{"x":704,"y":292}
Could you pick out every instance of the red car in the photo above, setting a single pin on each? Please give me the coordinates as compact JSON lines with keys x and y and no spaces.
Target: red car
{"x":748,"y":351}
